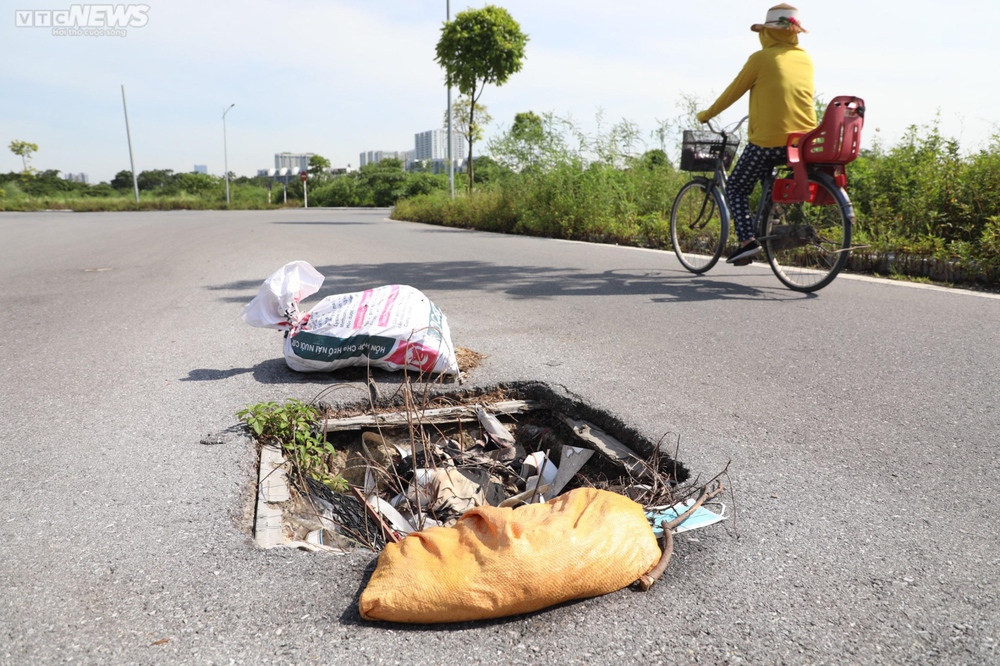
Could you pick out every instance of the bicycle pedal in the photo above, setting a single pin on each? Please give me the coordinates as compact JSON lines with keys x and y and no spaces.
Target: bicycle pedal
{"x":743,"y":262}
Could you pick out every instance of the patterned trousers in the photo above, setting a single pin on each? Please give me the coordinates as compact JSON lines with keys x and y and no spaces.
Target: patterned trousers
{"x":754,"y":163}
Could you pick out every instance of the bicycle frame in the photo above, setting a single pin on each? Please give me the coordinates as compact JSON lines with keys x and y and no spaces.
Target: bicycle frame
{"x":780,"y":226}
{"x":720,"y":178}
{"x":803,"y":220}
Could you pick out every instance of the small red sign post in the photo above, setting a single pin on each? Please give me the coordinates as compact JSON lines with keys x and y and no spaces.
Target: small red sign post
{"x":305,"y":189}
{"x":303,"y":176}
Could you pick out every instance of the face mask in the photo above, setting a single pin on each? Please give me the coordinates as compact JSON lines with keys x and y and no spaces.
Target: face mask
{"x":702,"y":517}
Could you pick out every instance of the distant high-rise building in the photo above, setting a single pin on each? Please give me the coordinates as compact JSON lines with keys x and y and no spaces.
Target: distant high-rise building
{"x":76,"y":177}
{"x":200,"y":168}
{"x":376,"y":156}
{"x":430,"y":151}
{"x":292,"y":160}
{"x":433,"y":145}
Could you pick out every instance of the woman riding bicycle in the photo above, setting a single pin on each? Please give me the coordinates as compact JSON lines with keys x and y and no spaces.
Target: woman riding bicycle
{"x":780,"y":80}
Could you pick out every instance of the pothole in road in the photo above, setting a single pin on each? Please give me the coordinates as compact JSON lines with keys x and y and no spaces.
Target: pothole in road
{"x":425,"y":457}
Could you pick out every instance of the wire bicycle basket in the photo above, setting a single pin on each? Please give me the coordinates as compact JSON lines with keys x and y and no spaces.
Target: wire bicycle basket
{"x":700,"y":150}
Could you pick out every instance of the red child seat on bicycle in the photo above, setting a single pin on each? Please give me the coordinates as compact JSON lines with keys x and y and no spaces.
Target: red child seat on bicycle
{"x":835,"y":142}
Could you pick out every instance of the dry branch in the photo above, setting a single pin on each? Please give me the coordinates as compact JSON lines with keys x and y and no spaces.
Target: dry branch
{"x":646,"y":581}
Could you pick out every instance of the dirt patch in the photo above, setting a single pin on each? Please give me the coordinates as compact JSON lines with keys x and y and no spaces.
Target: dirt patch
{"x":468,"y":360}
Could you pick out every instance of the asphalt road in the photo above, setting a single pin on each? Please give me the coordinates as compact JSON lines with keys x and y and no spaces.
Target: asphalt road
{"x":861,"y":425}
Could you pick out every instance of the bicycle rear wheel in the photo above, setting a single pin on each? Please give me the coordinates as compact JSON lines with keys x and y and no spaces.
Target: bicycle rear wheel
{"x":807,"y":244}
{"x":699,"y":225}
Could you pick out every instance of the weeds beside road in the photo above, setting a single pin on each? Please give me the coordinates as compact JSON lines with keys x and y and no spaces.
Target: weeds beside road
{"x":923,"y":209}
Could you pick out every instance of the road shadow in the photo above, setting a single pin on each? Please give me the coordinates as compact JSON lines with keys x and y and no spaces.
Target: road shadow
{"x":276,"y":371}
{"x":662,"y":285}
{"x":351,"y":615}
{"x":338,"y":223}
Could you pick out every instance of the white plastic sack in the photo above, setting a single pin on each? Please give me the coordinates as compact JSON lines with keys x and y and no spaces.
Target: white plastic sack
{"x":277,"y":302}
{"x":391,"y":327}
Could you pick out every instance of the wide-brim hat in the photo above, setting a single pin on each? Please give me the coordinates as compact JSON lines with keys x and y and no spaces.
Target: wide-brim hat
{"x":781,"y":17}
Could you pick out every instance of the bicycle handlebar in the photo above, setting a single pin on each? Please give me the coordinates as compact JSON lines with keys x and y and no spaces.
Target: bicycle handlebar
{"x":726,"y":131}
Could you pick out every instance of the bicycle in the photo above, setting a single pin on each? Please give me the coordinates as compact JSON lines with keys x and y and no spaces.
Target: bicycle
{"x":804,"y":220}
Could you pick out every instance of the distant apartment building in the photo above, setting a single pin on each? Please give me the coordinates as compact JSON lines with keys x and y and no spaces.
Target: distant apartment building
{"x":286,"y":167}
{"x":376,"y":156}
{"x":76,"y":178}
{"x":200,"y":168}
{"x":433,"y":145}
{"x":430,"y":152}
{"x":292,"y":161}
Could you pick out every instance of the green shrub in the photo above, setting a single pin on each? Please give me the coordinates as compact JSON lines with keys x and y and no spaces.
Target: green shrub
{"x":294,"y":428}
{"x":341,"y":191}
{"x":102,"y":190}
{"x":920,"y":198}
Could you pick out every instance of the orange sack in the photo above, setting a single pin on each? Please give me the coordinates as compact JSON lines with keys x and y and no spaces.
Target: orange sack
{"x":496,"y":562}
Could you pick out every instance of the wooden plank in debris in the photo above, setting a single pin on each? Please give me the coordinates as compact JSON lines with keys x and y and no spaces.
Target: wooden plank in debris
{"x":608,"y":446}
{"x":514,"y":500}
{"x":436,"y":415}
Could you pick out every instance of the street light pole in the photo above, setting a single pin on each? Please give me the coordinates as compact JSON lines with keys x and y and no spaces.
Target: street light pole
{"x":451,"y":160}
{"x":131,"y":159}
{"x":225,"y":150}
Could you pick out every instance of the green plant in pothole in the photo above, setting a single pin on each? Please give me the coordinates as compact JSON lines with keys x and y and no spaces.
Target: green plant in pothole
{"x":294,"y":427}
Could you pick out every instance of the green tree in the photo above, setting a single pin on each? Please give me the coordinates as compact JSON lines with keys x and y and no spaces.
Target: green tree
{"x":425,"y":183}
{"x":655,"y":158}
{"x":533,"y":143}
{"x":319,"y":168}
{"x":24,"y":149}
{"x":820,"y":105}
{"x":343,"y":190}
{"x":48,"y":183}
{"x":122,"y":180}
{"x":487,"y":169}
{"x":480,"y":46}
{"x":384,"y":181}
{"x":156,"y":179}
{"x":468,"y":120}
{"x":197,"y":184}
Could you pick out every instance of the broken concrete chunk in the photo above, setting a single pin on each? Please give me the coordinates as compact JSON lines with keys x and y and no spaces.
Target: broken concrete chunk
{"x":496,"y":430}
{"x":273,"y":485}
{"x":572,"y":459}
{"x":610,"y":447}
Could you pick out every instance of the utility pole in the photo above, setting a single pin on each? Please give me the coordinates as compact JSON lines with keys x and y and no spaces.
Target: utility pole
{"x":225,"y":150}
{"x":131,"y":159}
{"x":451,"y":161}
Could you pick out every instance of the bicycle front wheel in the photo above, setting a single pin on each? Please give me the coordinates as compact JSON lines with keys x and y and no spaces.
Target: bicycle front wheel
{"x":699,"y":225}
{"x":806,"y":243}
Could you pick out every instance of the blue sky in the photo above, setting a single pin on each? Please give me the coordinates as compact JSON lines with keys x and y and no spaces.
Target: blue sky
{"x":338,"y":77}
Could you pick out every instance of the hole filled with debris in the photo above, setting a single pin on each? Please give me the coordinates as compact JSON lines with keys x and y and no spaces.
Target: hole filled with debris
{"x":422,"y":459}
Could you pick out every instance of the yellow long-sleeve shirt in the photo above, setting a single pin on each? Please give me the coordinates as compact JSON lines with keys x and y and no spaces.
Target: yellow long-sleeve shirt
{"x":780,"y":80}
